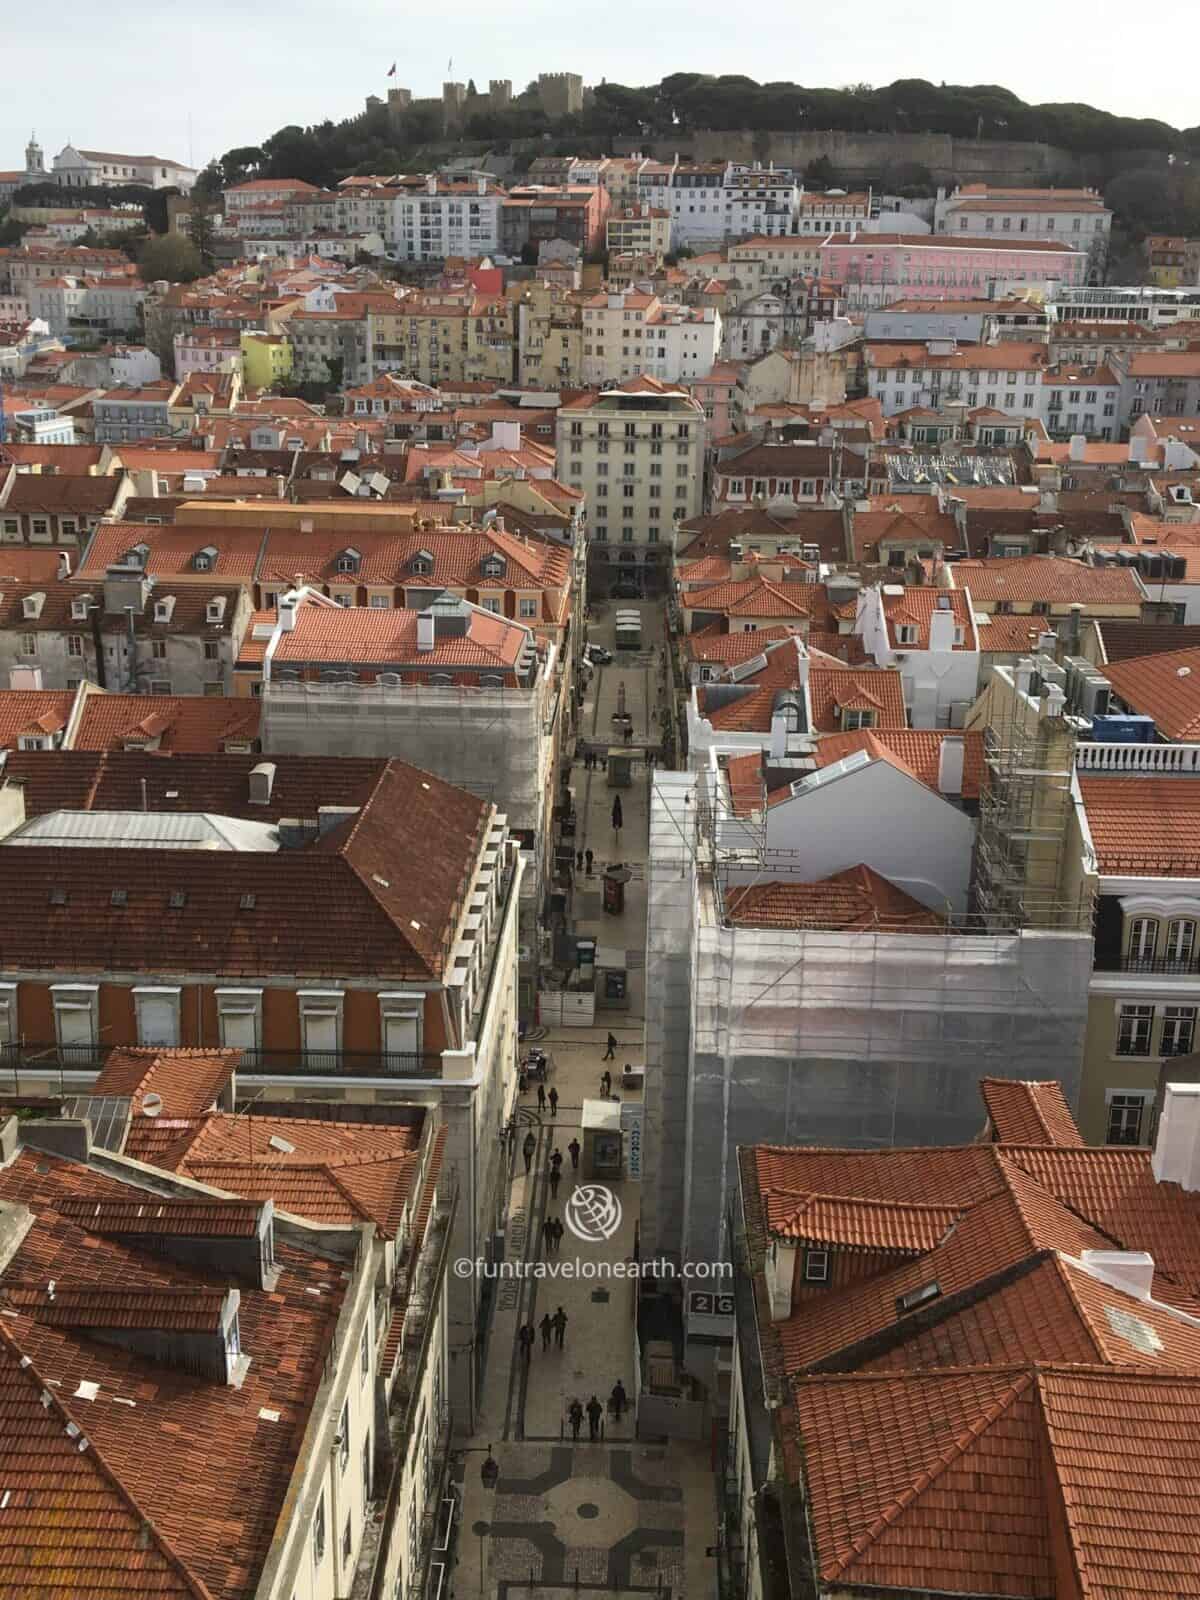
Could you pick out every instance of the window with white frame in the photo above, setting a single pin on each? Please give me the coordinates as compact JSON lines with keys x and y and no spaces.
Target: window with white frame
{"x":1181,"y":941}
{"x":343,"y":1440}
{"x":816,"y":1266}
{"x":1143,"y":938}
{"x":239,"y":1018}
{"x":321,"y":1025}
{"x":157,"y":1015}
{"x":318,"y":1532}
{"x":75,"y":1006}
{"x":1178,"y":1030}
{"x":1124,"y":1118}
{"x":400,"y":1023}
{"x":1135,"y":1024}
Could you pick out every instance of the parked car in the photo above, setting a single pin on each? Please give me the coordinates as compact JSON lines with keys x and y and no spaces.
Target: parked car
{"x":598,"y":655}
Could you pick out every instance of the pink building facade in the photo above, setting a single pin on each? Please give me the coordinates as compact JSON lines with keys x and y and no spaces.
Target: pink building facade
{"x":877,"y":268}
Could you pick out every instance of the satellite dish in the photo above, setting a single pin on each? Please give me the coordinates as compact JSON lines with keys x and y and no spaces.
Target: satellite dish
{"x":152,"y":1105}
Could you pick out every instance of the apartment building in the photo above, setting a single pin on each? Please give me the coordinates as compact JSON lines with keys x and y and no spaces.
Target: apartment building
{"x":46,"y":508}
{"x":77,"y":305}
{"x":1077,"y":215}
{"x":122,"y":633}
{"x":23,"y":268}
{"x":961,"y":1365}
{"x":408,"y":985}
{"x":262,"y":191}
{"x":470,"y":694}
{"x":1158,"y":383}
{"x":123,"y":415}
{"x":444,"y":338}
{"x":629,"y":333}
{"x":832,"y":210}
{"x":711,"y":201}
{"x":636,"y":453}
{"x":642,"y":230}
{"x":549,"y":337}
{"x":448,"y":217}
{"x":533,"y":214}
{"x":877,"y":268}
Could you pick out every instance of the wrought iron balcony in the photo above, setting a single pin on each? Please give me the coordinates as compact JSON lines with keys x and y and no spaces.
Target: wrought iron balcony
{"x":1155,"y":966}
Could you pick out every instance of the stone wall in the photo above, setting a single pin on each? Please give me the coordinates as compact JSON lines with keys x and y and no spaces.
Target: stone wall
{"x":858,"y":157}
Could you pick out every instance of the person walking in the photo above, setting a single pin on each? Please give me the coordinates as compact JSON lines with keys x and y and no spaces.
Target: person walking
{"x":555,"y":1177}
{"x":527,"y":1150}
{"x":553,"y":1103}
{"x":605,"y":1084}
{"x":575,"y":1413}
{"x":548,"y":1235}
{"x":617,"y":813}
{"x":579,"y":861}
{"x":588,"y":859}
{"x":525,"y":1338}
{"x":574,"y":1149}
{"x":594,"y":1413}
{"x":559,"y":1230}
{"x":556,"y":1162}
{"x":618,"y":1399}
{"x":541,"y":1097}
{"x":559,"y":1319}
{"x":547,"y":1328}
{"x":611,"y":1053}
{"x":604,"y":762}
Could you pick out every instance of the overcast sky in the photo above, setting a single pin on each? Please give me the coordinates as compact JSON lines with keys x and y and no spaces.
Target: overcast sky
{"x":120,"y":76}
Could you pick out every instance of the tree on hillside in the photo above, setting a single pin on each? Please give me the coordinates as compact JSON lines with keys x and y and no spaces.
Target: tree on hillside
{"x":172,"y":257}
{"x":819,"y":174}
{"x":202,"y":232}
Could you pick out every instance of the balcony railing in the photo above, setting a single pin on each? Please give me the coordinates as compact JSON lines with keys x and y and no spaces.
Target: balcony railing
{"x":1167,"y":966}
{"x":35,"y":1059}
{"x":1166,"y":758}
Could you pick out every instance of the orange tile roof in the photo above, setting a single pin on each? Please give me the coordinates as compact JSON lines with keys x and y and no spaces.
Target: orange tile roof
{"x":851,"y":1221}
{"x":173,"y":549}
{"x":863,"y":688}
{"x":33,"y":711}
{"x":1144,"y":826}
{"x":1165,"y":687}
{"x":181,"y":724}
{"x":1016,"y":633}
{"x":857,"y":898}
{"x":1028,"y":1112}
{"x":186,"y":1081}
{"x":108,"y":1518}
{"x":754,"y":597}
{"x":388,"y":638}
{"x":1054,"y":578}
{"x":917,"y":750}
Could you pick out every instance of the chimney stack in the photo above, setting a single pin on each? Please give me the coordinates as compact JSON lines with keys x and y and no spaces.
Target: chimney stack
{"x":952,"y":754}
{"x":426,"y":632}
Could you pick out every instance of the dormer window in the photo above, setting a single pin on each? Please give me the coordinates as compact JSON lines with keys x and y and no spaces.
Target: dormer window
{"x":205,"y":560}
{"x":80,"y":608}
{"x":31,"y":606}
{"x":215,"y":610}
{"x":349,"y":561}
{"x":137,"y":556}
{"x":492,"y":566}
{"x":421,"y":564}
{"x":164,"y":609}
{"x":816,"y":1266}
{"x":906,"y":633}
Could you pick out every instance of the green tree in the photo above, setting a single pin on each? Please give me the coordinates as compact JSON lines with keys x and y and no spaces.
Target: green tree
{"x":170,"y":256}
{"x":202,"y":232}
{"x":819,"y":174}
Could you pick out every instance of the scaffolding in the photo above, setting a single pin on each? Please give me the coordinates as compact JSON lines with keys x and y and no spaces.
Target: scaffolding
{"x":1026,"y":805}
{"x":817,"y":1036}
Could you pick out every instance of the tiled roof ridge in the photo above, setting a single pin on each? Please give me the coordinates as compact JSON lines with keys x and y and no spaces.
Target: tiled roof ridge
{"x":1060,"y":1264}
{"x":810,"y":1195}
{"x":1034,"y":1100}
{"x":53,"y":1401}
{"x":355,"y":1201}
{"x":929,"y":1475}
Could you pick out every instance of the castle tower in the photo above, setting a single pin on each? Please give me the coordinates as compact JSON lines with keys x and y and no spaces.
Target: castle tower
{"x":35,"y":161}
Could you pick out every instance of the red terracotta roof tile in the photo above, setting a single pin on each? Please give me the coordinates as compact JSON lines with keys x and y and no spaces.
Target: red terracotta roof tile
{"x":1025,"y":1112}
{"x":918,"y":750}
{"x":1053,"y":578}
{"x":1165,"y":687}
{"x":1143,"y":825}
{"x":857,"y":898}
{"x":175,"y":724}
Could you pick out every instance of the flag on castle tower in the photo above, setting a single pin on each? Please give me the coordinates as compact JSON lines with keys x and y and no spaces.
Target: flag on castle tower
{"x":392,"y":70}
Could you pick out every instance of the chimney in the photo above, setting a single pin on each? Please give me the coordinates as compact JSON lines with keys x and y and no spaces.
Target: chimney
{"x":431,"y":185}
{"x":262,"y":781}
{"x":1077,"y":449}
{"x":780,"y":1274}
{"x":426,"y":631}
{"x":331,"y":816}
{"x":481,"y":185}
{"x":942,"y":624}
{"x":1176,"y":1157}
{"x":1131,"y":1271}
{"x":64,"y":564}
{"x":1023,"y":674}
{"x":289,"y":606}
{"x":951,"y":760}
